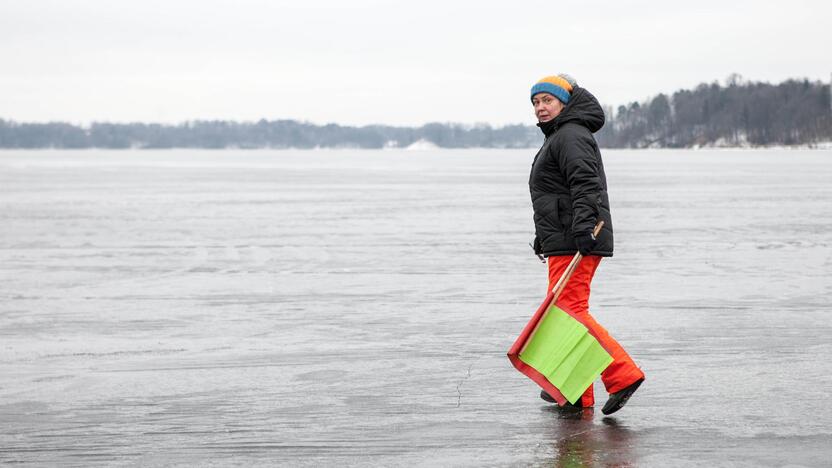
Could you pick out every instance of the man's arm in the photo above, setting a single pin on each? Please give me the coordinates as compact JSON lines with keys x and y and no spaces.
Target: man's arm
{"x":580,"y":167}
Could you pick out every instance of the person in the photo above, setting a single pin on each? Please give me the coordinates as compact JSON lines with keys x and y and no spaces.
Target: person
{"x":569,"y":196}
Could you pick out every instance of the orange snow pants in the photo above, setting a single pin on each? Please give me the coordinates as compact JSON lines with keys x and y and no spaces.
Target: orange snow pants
{"x":623,"y":371}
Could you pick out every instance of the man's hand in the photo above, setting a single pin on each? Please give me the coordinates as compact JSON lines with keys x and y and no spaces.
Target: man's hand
{"x":585,"y":242}
{"x":538,"y":249}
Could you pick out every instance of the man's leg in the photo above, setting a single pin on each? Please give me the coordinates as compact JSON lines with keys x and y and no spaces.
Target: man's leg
{"x":575,"y":296}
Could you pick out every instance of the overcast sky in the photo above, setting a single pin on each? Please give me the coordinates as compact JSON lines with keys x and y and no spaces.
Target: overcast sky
{"x":400,"y":63}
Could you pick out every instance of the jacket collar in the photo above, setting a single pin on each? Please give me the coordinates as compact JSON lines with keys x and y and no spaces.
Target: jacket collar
{"x":549,"y":127}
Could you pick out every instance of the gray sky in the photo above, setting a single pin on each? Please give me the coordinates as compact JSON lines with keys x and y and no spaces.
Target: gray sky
{"x":400,"y":63}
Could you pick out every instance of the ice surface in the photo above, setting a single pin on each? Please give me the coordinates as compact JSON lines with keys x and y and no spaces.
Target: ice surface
{"x":355,"y":307}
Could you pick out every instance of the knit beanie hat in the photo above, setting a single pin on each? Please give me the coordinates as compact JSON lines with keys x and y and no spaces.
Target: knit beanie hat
{"x":559,"y":86}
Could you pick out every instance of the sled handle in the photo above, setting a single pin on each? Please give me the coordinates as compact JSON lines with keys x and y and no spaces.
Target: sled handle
{"x":561,"y":284}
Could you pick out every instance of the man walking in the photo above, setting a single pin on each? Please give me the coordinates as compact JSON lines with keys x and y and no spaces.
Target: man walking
{"x":569,"y":196}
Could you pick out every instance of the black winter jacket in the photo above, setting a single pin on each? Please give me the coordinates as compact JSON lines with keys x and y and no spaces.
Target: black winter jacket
{"x":567,"y":182}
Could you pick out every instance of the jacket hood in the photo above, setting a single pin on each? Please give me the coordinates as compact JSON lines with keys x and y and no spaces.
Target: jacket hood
{"x":583,"y":108}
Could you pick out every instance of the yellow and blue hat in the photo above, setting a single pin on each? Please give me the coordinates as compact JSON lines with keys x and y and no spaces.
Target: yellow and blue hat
{"x":558,"y":86}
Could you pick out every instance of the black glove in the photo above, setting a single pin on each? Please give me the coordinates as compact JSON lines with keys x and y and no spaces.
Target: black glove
{"x":538,"y":249}
{"x":585,"y":243}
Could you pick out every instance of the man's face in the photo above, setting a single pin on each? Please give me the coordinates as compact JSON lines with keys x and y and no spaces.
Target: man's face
{"x":546,"y":106}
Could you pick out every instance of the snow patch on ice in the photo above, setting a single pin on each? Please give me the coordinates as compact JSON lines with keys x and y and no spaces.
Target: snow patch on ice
{"x":422,"y":145}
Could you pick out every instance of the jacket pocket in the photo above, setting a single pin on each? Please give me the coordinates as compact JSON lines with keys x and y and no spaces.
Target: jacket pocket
{"x":546,"y":213}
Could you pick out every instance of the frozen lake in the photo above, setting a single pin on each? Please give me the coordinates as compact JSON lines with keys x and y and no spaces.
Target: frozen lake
{"x":354,"y":308}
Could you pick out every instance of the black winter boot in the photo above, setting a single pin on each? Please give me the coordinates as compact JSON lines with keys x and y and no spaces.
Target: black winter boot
{"x":567,"y":406}
{"x":619,"y":399}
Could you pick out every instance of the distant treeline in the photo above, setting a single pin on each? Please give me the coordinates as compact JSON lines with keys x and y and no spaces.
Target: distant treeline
{"x":734,"y":114}
{"x":794,"y":112}
{"x":261,"y":134}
